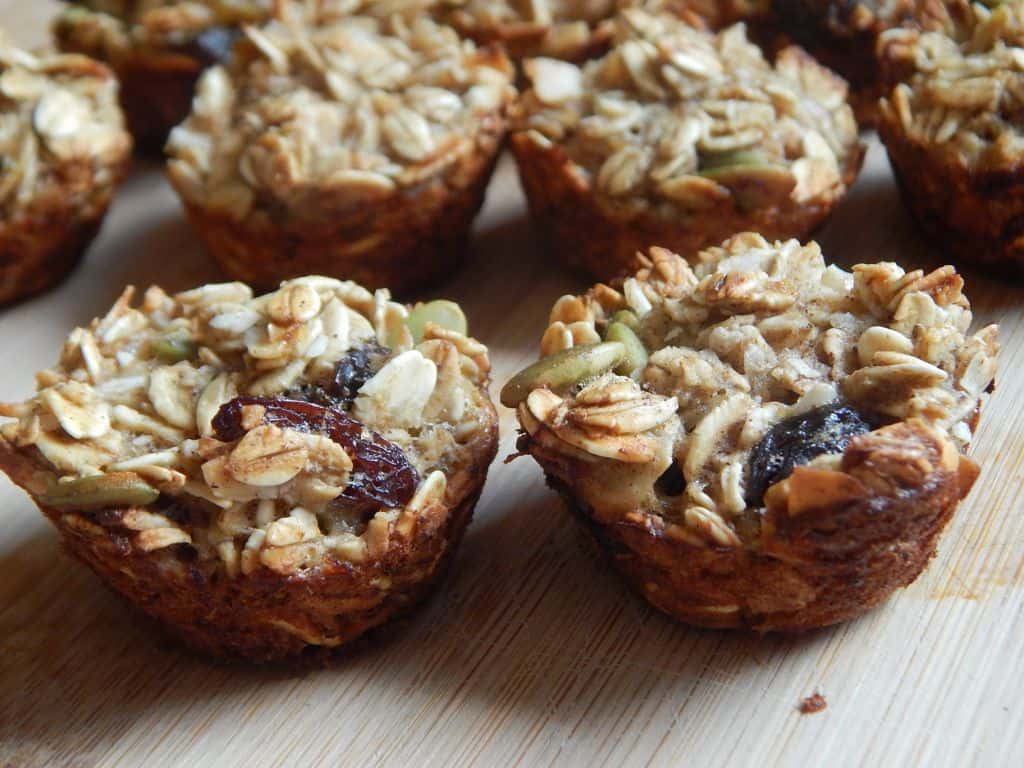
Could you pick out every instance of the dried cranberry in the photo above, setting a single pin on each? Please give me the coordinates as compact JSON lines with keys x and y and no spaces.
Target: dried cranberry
{"x":797,"y":440}
{"x":381,"y":474}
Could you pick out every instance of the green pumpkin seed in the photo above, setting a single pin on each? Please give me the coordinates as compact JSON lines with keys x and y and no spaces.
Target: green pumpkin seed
{"x":118,"y":489}
{"x":442,"y":312}
{"x":716,"y":160}
{"x":174,"y":349}
{"x":627,"y":317}
{"x":635,"y":357}
{"x":562,"y":369}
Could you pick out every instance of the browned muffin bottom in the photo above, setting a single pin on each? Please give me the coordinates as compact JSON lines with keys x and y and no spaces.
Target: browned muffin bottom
{"x":158,"y":49}
{"x":760,"y":440}
{"x":681,"y":137}
{"x":64,"y":150}
{"x":954,"y":135}
{"x":355,"y":147}
{"x":265,"y":476}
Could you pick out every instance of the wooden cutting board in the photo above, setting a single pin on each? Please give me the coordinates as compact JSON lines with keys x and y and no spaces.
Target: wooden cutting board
{"x":533,"y":653}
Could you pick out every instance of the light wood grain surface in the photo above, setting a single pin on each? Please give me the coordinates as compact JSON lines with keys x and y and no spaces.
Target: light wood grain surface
{"x":533,"y":653}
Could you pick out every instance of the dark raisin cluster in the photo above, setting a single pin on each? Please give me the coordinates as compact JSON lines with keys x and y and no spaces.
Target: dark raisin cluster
{"x":382,"y":476}
{"x":799,"y":439}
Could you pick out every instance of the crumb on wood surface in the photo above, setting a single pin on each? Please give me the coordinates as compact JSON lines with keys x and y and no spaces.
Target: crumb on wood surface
{"x":811,"y":704}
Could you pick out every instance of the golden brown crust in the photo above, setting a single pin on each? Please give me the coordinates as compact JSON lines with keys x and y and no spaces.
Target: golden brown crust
{"x":156,"y":93}
{"x":975,"y":215}
{"x":578,"y":231}
{"x":38,"y":253}
{"x":412,"y":238}
{"x":815,"y":562}
{"x":269,"y":616}
{"x":44,"y":242}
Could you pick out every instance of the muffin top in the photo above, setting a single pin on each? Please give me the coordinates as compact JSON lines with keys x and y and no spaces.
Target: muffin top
{"x":844,"y":18}
{"x":730,"y":373}
{"x":200,"y":28}
{"x":273,"y":430}
{"x":311,"y":119}
{"x":61,"y":130}
{"x":674,"y":118}
{"x":964,"y":98}
{"x":559,"y":28}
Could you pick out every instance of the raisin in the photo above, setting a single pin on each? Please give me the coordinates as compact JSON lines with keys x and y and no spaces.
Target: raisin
{"x":381,"y":474}
{"x":351,"y":372}
{"x":671,"y":482}
{"x":354,"y":370}
{"x":799,"y":439}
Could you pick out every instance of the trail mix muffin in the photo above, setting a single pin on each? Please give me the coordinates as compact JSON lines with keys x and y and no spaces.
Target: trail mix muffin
{"x":761,"y":440}
{"x":358,"y":148}
{"x":956,"y":141}
{"x":158,"y":48}
{"x":844,"y":35}
{"x":264,"y":476}
{"x":679,"y":137}
{"x":63,"y":150}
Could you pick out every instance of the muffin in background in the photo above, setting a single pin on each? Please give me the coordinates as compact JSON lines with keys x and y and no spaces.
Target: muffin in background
{"x":845,"y":36}
{"x":955,"y":140}
{"x":64,"y":151}
{"x":681,"y":137}
{"x":158,"y":49}
{"x":354,"y":147}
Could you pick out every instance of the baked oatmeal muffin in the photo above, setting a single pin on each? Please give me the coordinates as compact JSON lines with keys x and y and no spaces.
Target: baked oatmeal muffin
{"x":679,"y":137}
{"x":158,"y":48}
{"x":358,"y":148}
{"x":761,"y":440}
{"x":844,"y":36}
{"x":63,"y":150}
{"x":265,"y":476}
{"x":956,"y":141}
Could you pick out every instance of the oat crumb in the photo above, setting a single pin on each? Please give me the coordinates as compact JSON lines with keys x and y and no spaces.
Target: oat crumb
{"x":812,"y":704}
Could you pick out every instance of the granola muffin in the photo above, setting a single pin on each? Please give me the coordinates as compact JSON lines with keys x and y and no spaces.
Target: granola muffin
{"x":955,"y":138}
{"x":761,"y":440}
{"x":679,"y":137}
{"x":844,"y":36}
{"x":265,"y":476}
{"x":63,"y":151}
{"x":358,"y":148}
{"x":158,"y":48}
